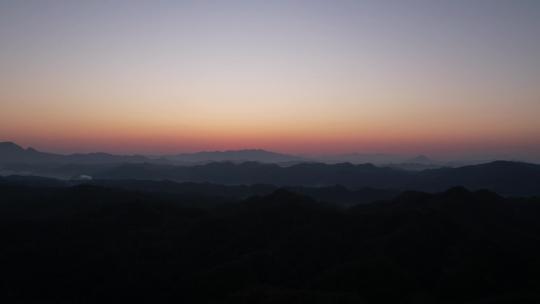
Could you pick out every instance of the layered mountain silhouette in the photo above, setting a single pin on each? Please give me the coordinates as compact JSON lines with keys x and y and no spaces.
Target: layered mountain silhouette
{"x":12,"y":153}
{"x":134,"y":228}
{"x":503,"y":177}
{"x":90,"y":244}
{"x":339,"y":195}
{"x":506,"y":178}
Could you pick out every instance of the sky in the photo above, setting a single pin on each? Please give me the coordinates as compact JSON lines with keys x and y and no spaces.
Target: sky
{"x":444,"y":78}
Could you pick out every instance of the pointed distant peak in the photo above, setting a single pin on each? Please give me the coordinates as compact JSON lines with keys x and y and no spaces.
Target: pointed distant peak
{"x":8,"y":145}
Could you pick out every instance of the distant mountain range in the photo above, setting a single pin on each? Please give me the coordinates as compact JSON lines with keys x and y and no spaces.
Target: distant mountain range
{"x":362,"y":158}
{"x":229,"y":168}
{"x":12,"y":153}
{"x":256,"y":155}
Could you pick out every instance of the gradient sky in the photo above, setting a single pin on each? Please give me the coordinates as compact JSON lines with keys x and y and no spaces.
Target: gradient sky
{"x":443,"y":78}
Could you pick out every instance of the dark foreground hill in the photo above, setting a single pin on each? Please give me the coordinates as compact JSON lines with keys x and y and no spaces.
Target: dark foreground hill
{"x":336,"y":194}
{"x":90,"y":244}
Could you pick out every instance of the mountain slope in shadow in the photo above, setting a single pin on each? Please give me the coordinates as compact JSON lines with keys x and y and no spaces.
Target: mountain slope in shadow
{"x":503,"y":177}
{"x":90,"y":244}
{"x":339,"y":195}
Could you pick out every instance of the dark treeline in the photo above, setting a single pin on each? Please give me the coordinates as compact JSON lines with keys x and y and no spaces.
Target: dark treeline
{"x":89,"y":244}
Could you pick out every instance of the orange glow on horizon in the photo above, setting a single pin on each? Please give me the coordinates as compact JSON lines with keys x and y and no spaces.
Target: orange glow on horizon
{"x":287,"y":77}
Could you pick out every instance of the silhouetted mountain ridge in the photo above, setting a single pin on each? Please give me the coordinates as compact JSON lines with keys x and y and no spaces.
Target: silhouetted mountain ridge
{"x":457,"y":246}
{"x":333,"y":194}
{"x":504,"y":177}
{"x":12,"y":153}
{"x":257,"y":155}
